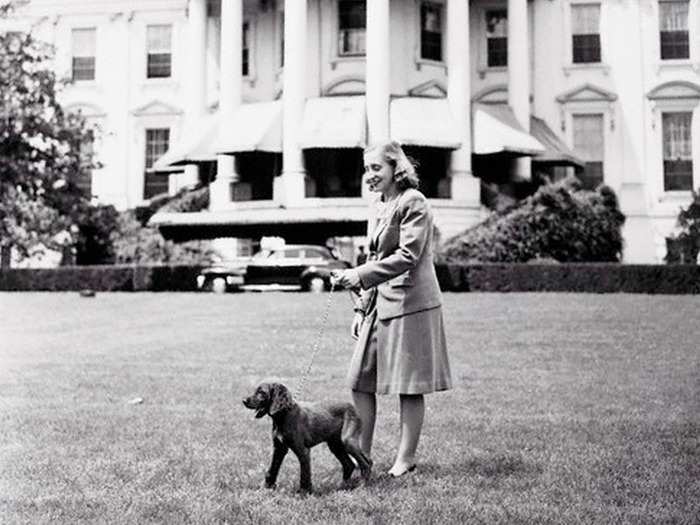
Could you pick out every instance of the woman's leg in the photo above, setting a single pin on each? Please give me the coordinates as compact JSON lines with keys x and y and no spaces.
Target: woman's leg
{"x":366,"y":405}
{"x":412,"y":413}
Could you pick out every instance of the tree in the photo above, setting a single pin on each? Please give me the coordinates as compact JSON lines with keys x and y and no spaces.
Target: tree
{"x":41,"y":153}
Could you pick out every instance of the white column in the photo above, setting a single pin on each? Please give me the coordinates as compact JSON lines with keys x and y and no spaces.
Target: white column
{"x":378,"y":75}
{"x":230,"y":86}
{"x":518,"y":73}
{"x":464,"y":186}
{"x":290,"y":189}
{"x":195,"y":79}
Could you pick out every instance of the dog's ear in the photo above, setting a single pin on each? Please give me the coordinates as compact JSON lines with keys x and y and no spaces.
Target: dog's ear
{"x":280,"y":399}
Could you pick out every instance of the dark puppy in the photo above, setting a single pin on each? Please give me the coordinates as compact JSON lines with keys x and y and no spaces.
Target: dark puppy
{"x":300,"y":426}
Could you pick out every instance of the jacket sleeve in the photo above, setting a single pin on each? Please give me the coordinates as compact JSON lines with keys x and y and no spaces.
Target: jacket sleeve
{"x":413,"y":234}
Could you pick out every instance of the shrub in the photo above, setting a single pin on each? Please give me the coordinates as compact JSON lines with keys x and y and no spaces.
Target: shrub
{"x":685,"y":245}
{"x":109,"y":278}
{"x":189,"y":199}
{"x":137,"y":244}
{"x":560,"y":222}
{"x":589,"y":277}
{"x":96,"y":226}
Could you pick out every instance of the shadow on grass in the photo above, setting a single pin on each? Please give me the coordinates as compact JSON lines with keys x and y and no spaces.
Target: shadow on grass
{"x":498,"y":466}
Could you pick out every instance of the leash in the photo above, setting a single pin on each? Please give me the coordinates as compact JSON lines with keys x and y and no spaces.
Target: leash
{"x":317,"y":343}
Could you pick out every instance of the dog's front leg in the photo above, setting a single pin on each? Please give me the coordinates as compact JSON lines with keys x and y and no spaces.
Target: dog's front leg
{"x":279,"y":450}
{"x":304,"y":455}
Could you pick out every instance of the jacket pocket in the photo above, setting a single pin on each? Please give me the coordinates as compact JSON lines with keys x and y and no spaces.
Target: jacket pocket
{"x":403,"y":280}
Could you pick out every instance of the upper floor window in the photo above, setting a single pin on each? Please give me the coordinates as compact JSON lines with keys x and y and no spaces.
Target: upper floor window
{"x":677,"y":151}
{"x":83,"y":54}
{"x":673,"y":29}
{"x":159,"y":42}
{"x":352,"y":25}
{"x":245,"y":62}
{"x":431,"y":31}
{"x":585,"y":30}
{"x":157,"y":143}
{"x":497,"y":37}
{"x":589,"y":142}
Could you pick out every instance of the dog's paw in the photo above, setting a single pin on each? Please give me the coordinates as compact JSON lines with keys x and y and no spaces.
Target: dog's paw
{"x":305,"y":491}
{"x":268,"y":485}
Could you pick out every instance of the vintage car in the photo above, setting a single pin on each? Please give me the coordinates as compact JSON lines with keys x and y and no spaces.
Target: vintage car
{"x":289,"y":267}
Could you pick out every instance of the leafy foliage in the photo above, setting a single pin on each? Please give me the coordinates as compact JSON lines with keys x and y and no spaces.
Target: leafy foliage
{"x":93,"y":243}
{"x":187,"y":199}
{"x":28,"y":223}
{"x":137,"y":244}
{"x":560,"y":221}
{"x":685,"y":246}
{"x":41,"y":154}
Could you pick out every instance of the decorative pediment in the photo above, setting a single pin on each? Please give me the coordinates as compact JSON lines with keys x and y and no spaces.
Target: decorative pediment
{"x":675,"y":90}
{"x":85,"y":109}
{"x":156,"y":107}
{"x":497,"y":94}
{"x":346,"y":85}
{"x":430,"y":89}
{"x":587,"y":93}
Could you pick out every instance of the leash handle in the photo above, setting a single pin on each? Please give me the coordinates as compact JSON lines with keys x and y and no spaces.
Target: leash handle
{"x":317,"y":343}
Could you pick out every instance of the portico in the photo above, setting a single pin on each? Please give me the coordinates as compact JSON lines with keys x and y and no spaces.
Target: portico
{"x":388,"y":107}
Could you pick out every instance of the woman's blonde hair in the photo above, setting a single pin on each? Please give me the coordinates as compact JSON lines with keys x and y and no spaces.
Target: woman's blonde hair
{"x":404,"y":168}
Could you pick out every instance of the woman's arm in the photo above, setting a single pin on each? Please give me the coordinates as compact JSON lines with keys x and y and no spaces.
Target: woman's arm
{"x":413,"y":234}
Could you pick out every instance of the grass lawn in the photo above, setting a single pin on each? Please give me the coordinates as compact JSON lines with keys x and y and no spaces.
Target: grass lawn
{"x":566,"y":409}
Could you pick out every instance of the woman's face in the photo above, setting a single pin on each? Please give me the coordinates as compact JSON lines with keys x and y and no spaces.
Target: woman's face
{"x":379,"y":174}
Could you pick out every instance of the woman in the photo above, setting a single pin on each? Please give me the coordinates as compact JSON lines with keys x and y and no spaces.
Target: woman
{"x":398,"y":323}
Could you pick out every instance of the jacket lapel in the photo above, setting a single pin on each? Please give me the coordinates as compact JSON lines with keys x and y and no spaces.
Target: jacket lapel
{"x":383,"y":223}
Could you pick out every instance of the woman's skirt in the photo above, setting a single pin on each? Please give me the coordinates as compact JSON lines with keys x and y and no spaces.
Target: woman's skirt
{"x":403,"y":355}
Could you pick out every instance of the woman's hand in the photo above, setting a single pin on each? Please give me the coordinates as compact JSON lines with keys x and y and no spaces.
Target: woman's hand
{"x":346,"y":278}
{"x":356,"y":325}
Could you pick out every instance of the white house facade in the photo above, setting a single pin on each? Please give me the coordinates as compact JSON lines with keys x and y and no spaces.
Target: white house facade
{"x":272,"y":102}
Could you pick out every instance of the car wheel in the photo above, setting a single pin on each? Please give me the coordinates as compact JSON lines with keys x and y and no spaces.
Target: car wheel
{"x":316,"y":284}
{"x":218,"y":285}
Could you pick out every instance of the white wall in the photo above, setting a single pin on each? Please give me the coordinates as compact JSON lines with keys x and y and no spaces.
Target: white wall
{"x":124,"y":102}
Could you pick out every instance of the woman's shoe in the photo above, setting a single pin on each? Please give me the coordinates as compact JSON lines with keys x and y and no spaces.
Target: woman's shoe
{"x":409,"y":469}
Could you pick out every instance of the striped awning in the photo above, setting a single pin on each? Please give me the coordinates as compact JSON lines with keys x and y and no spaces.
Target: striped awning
{"x":421,"y":121}
{"x":496,"y":130}
{"x":251,"y":127}
{"x":556,"y":153}
{"x":196,"y":147}
{"x":334,"y":122}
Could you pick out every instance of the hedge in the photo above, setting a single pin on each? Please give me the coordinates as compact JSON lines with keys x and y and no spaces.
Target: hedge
{"x":581,"y":277}
{"x":487,"y":277}
{"x":108,"y":278}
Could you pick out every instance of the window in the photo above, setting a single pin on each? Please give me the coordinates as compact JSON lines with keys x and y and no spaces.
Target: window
{"x":677,"y":151}
{"x":83,"y":54}
{"x":157,"y":143}
{"x":590,"y":144}
{"x":352,"y":24}
{"x":585,"y":30}
{"x":497,"y":37}
{"x":246,"y":50}
{"x":158,"y":41}
{"x":673,"y":29}
{"x":430,"y":31}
